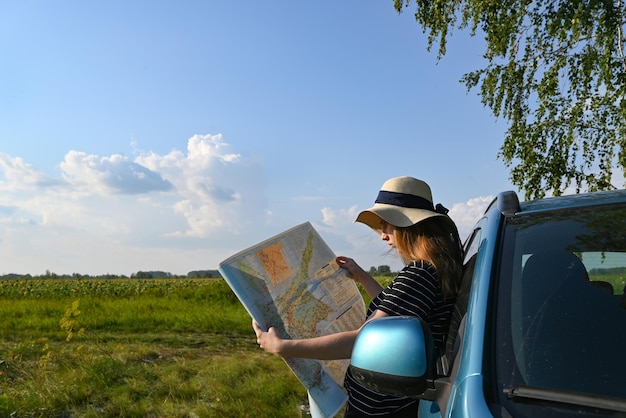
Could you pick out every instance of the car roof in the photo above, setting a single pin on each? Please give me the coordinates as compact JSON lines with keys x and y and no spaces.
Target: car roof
{"x":574,"y":201}
{"x":547,"y":207}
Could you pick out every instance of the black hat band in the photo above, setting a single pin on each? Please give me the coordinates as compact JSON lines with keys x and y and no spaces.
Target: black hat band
{"x":404,"y":200}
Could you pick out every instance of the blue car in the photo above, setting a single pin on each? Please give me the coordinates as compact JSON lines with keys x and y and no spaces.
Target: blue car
{"x":539,"y":327}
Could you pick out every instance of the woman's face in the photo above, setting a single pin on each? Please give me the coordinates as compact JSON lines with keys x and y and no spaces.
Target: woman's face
{"x":387,"y":233}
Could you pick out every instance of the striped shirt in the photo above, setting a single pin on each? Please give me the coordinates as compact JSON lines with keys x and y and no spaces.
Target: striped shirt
{"x":415,"y":291}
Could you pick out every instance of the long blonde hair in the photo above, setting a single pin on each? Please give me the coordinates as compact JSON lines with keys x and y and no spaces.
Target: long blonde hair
{"x":437,"y":241}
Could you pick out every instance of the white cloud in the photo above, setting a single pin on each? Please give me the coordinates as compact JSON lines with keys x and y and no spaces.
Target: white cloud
{"x":466,"y":214}
{"x":179,"y":211}
{"x":20,"y":175}
{"x":340,"y":224}
{"x":217,"y":190}
{"x":331,"y":217}
{"x":106,"y":175}
{"x":107,"y":208}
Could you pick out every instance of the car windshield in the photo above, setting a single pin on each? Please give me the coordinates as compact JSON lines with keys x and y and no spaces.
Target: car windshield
{"x":561,"y":312}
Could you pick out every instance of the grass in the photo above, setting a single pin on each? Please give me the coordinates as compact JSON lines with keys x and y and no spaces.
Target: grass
{"x":618,"y":281}
{"x":135,"y":348}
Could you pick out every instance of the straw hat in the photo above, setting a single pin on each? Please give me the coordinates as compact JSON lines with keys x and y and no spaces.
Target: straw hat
{"x":401,"y":202}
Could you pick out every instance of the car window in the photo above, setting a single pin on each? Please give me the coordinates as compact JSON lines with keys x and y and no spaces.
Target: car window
{"x":561,"y":307}
{"x":607,"y":270}
{"x":471,"y":246}
{"x":460,"y":307}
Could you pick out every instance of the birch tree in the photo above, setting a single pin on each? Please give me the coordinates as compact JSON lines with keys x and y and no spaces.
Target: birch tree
{"x":555,"y":71}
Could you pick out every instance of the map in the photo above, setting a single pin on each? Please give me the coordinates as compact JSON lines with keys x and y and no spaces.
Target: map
{"x":291,"y":282}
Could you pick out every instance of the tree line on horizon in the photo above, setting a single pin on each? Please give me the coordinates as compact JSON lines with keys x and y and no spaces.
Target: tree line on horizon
{"x":383,"y":270}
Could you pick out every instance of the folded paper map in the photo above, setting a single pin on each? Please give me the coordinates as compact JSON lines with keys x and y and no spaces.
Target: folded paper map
{"x":292,"y":283}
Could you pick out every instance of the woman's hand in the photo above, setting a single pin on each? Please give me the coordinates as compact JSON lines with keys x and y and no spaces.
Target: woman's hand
{"x":355,"y":271}
{"x":268,"y":341}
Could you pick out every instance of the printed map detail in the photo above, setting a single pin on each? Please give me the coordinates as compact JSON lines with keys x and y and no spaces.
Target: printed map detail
{"x":274,"y":263}
{"x":292,"y":283}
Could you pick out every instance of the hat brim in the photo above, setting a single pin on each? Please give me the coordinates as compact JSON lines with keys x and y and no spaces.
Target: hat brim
{"x":394,"y":215}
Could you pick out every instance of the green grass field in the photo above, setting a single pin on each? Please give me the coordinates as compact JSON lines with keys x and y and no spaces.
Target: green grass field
{"x":135,"y":348}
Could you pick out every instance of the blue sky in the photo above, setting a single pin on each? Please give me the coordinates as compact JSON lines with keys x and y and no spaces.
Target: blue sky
{"x":170,"y":135}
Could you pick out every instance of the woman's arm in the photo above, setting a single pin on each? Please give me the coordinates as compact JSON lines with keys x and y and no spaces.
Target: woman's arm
{"x":328,"y":347}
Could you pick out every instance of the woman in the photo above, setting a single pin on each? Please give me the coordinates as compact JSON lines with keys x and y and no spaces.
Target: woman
{"x":427,"y":241}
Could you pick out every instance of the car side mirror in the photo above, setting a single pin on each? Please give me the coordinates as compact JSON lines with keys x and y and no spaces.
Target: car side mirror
{"x":394,"y":355}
